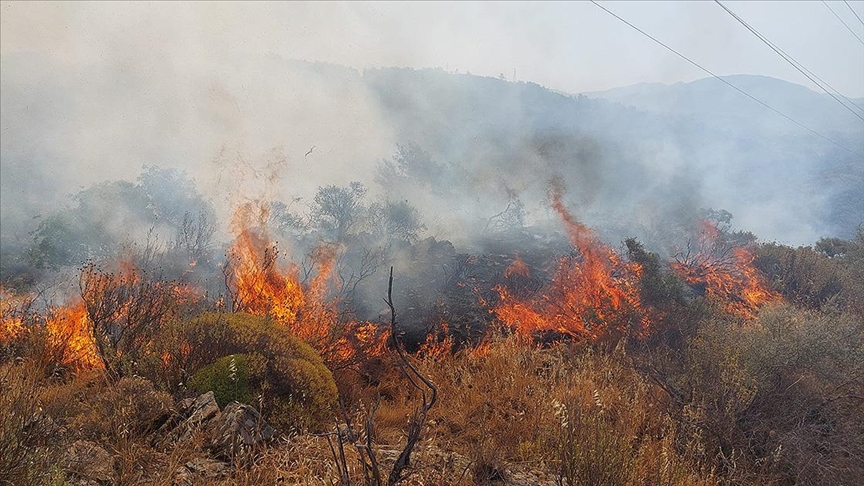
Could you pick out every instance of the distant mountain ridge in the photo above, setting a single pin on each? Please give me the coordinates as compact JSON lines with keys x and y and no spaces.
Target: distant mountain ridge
{"x":710,"y":96}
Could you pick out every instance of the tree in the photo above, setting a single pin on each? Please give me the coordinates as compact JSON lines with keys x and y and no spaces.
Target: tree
{"x":397,"y":220}
{"x":339,"y":210}
{"x":414,"y":165}
{"x":93,"y":228}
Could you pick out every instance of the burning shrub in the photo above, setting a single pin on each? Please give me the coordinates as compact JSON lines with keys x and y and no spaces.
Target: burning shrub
{"x":257,"y":284}
{"x":298,"y":390}
{"x":56,"y":340}
{"x":720,"y":267}
{"x":125,"y":310}
{"x":593,"y":295}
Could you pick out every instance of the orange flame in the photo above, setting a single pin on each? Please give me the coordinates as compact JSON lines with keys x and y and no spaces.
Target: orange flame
{"x":725,"y":272}
{"x":518,"y":267}
{"x":69,"y":328}
{"x":11,"y":324}
{"x":261,"y":286}
{"x":592,"y":295}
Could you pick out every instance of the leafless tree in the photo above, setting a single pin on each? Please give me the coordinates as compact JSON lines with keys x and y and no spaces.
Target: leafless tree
{"x":364,"y":442}
{"x":428,"y":393}
{"x":195,"y":235}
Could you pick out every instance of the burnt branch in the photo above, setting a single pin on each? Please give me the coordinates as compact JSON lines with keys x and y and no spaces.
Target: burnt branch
{"x":428,"y":392}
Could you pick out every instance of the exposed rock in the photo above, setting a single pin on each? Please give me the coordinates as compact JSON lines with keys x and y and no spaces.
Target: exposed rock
{"x":89,"y":462}
{"x":202,"y":410}
{"x":192,"y":414}
{"x":198,"y":469}
{"x":238,"y":425}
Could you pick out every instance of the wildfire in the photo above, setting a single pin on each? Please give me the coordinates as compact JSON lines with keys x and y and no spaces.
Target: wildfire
{"x":261,"y":286}
{"x":11,"y":324}
{"x":69,"y":331}
{"x":593,"y":293}
{"x":68,"y":337}
{"x":518,"y":267}
{"x":724,"y":272}
{"x":441,"y":344}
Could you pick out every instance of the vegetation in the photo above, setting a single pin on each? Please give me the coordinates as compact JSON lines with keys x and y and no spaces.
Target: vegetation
{"x":256,"y":361}
{"x":732,"y":362}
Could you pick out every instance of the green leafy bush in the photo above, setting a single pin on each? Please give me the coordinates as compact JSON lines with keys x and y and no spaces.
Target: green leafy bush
{"x":231,"y":378}
{"x":296,"y":388}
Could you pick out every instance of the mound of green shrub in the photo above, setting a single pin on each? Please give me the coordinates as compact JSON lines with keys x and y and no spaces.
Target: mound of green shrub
{"x":243,"y":357}
{"x":231,"y":378}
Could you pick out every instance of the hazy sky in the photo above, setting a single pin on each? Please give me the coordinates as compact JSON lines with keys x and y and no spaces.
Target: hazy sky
{"x":571,"y":47}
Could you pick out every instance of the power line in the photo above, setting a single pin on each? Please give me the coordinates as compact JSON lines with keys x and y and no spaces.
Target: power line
{"x":854,"y":12}
{"x":843,"y":22}
{"x":797,"y":65}
{"x":736,"y":88}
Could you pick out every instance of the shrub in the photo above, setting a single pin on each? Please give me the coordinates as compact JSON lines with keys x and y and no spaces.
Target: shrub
{"x":27,"y":436}
{"x":297,"y":390}
{"x":801,"y":275}
{"x":101,"y":412}
{"x":781,"y":394}
{"x":231,"y":378}
{"x":587,"y":414}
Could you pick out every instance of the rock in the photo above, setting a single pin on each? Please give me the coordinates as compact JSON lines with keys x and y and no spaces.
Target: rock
{"x":238,"y":425}
{"x":89,"y":462}
{"x":202,"y":409}
{"x":200,"y":468}
{"x":192,"y":414}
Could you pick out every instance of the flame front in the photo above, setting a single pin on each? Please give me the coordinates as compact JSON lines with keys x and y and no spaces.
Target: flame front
{"x":260,"y":285}
{"x":67,"y":336}
{"x":594,"y":293}
{"x":69,"y":330}
{"x":725,"y":273}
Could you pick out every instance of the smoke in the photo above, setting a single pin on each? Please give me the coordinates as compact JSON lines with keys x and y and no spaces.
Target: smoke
{"x":274,"y":101}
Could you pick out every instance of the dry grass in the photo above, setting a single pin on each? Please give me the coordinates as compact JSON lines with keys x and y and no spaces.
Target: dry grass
{"x":26,"y":432}
{"x":585,"y":415}
{"x":513,"y":412}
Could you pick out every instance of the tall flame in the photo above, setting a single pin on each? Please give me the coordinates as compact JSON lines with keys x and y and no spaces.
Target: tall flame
{"x":69,"y":330}
{"x":260,"y":285}
{"x":594,"y":293}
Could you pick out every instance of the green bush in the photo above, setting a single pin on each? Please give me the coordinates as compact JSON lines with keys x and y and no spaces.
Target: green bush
{"x":296,"y":389}
{"x":802,"y":275}
{"x":231,"y":378}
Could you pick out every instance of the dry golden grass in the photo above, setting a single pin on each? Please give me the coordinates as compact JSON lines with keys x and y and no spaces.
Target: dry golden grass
{"x":568,"y":414}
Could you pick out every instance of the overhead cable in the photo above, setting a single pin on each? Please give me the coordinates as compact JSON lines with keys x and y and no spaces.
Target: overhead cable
{"x":843,"y":22}
{"x":854,"y":12}
{"x":736,"y":88}
{"x":797,"y":65}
